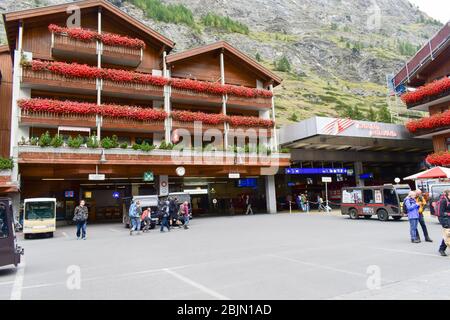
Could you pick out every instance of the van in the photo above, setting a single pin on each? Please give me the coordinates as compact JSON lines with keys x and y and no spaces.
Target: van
{"x":39,"y":217}
{"x":10,"y":251}
{"x":147,"y":202}
{"x":383,"y":201}
{"x":436,"y":190}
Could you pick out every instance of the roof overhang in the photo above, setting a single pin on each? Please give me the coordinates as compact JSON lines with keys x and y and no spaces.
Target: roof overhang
{"x":12,"y":19}
{"x":333,"y":134}
{"x":223,"y":45}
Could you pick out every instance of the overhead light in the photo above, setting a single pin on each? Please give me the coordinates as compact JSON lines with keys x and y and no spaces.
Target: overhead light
{"x":52,"y":179}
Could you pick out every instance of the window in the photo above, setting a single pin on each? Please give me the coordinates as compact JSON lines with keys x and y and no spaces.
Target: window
{"x":3,"y":222}
{"x":140,"y":140}
{"x":390,"y":197}
{"x":368,"y":196}
{"x":39,"y":210}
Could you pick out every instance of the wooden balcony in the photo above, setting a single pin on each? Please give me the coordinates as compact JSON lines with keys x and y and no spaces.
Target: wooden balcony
{"x":190,"y":96}
{"x":45,"y":80}
{"x":78,"y":120}
{"x":129,"y":157}
{"x":66,"y":47}
{"x":135,"y":90}
{"x":190,"y":126}
{"x":254,"y":103}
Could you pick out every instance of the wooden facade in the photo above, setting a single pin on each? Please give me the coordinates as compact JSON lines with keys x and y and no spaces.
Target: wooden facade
{"x":201,"y":64}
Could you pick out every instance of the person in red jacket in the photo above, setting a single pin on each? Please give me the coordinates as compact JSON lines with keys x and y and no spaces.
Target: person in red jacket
{"x":184,"y":211}
{"x":145,"y":217}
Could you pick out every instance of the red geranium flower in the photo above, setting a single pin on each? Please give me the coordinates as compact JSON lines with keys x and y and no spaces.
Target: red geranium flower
{"x":439,"y":159}
{"x":439,"y":120}
{"x":206,"y":118}
{"x":431,"y":90}
{"x":84,"y":108}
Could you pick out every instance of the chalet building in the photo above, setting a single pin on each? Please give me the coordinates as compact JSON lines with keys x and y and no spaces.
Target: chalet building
{"x":87,"y":69}
{"x":424,"y":84}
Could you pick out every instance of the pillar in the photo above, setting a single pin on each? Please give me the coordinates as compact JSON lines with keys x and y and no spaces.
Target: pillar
{"x":358,"y":172}
{"x":158,"y":137}
{"x":271,"y":198}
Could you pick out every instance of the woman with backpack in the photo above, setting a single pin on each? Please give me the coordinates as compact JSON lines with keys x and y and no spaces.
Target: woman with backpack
{"x":412,"y":208}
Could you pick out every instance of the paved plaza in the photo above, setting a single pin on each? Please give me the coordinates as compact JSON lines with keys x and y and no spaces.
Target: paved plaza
{"x":282,"y":256}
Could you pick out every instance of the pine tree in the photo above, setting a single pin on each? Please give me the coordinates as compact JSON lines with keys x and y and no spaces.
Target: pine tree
{"x":283,"y":65}
{"x":371,"y":115}
{"x":384,"y":115}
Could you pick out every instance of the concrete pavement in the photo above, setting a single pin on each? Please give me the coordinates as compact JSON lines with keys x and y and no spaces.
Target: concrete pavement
{"x":283,"y":256}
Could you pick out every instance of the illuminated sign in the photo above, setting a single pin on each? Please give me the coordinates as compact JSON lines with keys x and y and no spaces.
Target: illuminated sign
{"x":366,"y":176}
{"x":116,"y":195}
{"x":315,"y":171}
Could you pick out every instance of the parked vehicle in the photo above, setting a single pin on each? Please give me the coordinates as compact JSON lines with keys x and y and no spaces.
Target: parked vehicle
{"x":436,"y":190}
{"x":147,"y":202}
{"x":181,"y":197}
{"x":10,"y":251}
{"x":383,"y":201}
{"x":39,"y":217}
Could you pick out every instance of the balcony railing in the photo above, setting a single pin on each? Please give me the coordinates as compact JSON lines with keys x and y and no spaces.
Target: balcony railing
{"x":117,"y":156}
{"x":46,"y":79}
{"x":127,"y":88}
{"x":80,"y":120}
{"x":184,"y":95}
{"x":63,"y":45}
{"x":258,"y":102}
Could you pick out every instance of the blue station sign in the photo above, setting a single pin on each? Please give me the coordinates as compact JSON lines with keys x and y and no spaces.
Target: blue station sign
{"x":315,"y":171}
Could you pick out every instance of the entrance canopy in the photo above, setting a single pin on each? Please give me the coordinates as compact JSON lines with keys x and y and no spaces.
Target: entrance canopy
{"x":337,"y":139}
{"x":433,"y":173}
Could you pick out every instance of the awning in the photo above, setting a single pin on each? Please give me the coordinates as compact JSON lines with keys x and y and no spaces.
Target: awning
{"x":433,"y":173}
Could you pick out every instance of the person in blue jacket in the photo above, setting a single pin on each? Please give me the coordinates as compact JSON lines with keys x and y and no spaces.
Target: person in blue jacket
{"x":412,"y":208}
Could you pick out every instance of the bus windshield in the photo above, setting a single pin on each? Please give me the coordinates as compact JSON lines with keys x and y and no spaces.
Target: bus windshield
{"x":39,"y":210}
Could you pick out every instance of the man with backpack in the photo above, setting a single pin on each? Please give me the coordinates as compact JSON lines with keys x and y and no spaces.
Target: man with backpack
{"x":442,"y":211}
{"x":164,"y":214}
{"x":412,"y":209}
{"x":421,"y":201}
{"x":135,"y":217}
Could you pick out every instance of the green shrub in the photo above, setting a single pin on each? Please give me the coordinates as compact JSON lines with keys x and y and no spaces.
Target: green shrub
{"x":124,"y":145}
{"x":57,"y":141}
{"x":45,"y":140}
{"x":165,"y":146}
{"x":293,"y":117}
{"x":147,"y":147}
{"x":92,"y":142}
{"x":285,"y":150}
{"x":75,"y":142}
{"x":109,"y":143}
{"x":34,"y":141}
{"x":6,"y":164}
{"x":136,"y":146}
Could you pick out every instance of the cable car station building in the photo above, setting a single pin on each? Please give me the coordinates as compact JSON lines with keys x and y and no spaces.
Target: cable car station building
{"x":87,"y":69}
{"x":352,"y":153}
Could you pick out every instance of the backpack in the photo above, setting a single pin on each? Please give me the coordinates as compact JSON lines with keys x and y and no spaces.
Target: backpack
{"x":404,"y":208}
{"x":436,"y":207}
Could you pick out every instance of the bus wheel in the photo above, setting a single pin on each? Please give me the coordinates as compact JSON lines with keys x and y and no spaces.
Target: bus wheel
{"x":397,"y":218}
{"x":367,"y":217}
{"x":382,"y":215}
{"x":353,"y":214}
{"x":26,"y":236}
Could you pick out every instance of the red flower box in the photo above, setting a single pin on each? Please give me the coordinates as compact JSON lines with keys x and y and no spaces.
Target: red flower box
{"x":439,"y":159}
{"x":439,"y":120}
{"x":205,"y":118}
{"x":255,"y":122}
{"x":75,"y":70}
{"x":109,"y":39}
{"x":84,"y":108}
{"x":429,"y":91}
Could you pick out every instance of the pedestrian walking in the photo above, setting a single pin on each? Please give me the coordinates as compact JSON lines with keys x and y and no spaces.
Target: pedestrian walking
{"x":443,"y":212}
{"x":412,"y":209}
{"x":184,"y":211}
{"x":248,"y":204}
{"x":146,"y":219}
{"x":164,"y":214}
{"x":321,"y":205}
{"x":80,"y":216}
{"x":303,"y":202}
{"x":421,"y":201}
{"x":135,"y":217}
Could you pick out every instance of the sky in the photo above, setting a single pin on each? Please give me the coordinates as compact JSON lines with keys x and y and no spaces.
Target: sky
{"x":438,"y":9}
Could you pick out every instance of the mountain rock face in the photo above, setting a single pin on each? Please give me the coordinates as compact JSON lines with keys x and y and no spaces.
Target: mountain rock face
{"x":340,"y":51}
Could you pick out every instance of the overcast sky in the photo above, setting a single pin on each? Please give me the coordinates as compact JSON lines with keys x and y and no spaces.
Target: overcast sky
{"x":438,"y":9}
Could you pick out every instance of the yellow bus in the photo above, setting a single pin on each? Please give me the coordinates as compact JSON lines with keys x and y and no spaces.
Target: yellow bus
{"x":39,"y":217}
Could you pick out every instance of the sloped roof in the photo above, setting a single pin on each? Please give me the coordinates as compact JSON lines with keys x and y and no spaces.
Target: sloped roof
{"x":223,"y":45}
{"x":11,"y":19}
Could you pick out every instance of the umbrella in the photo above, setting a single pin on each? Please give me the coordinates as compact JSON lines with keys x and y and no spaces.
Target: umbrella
{"x":433,"y":173}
